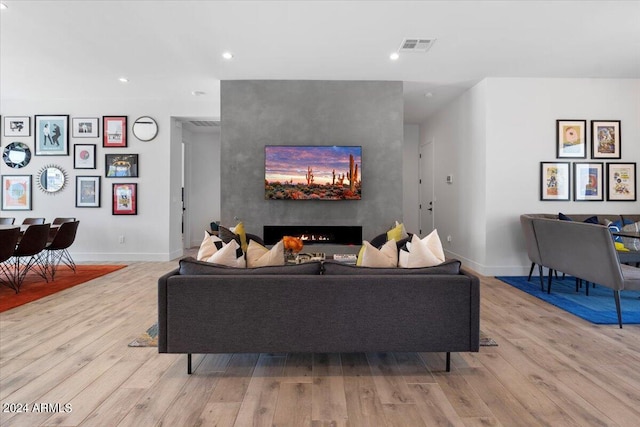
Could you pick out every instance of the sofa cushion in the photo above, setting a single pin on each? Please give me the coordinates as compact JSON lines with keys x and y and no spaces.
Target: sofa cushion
{"x":617,"y":226}
{"x":425,"y":252}
{"x":259,"y":256}
{"x":191,"y":266}
{"x":330,"y":267}
{"x":397,"y":233}
{"x":236,"y":233}
{"x":386,"y":256}
{"x":230,"y":255}
{"x":209,"y":246}
{"x":589,"y":220}
{"x":631,"y":243}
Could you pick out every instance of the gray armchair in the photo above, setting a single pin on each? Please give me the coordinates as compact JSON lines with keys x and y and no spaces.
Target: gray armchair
{"x":586,"y":251}
{"x":526,"y":221}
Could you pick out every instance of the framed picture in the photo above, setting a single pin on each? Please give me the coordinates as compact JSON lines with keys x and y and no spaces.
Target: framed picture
{"x":621,"y":182}
{"x":588,"y":179}
{"x":555,"y":180}
{"x":84,"y":156}
{"x":121,"y":165}
{"x":571,"y":139}
{"x":17,"y":126}
{"x":114,"y":131}
{"x":87,"y":191}
{"x":605,"y":139}
{"x":52,"y":135}
{"x":125,"y":199}
{"x":16,"y":192}
{"x":83,"y":127}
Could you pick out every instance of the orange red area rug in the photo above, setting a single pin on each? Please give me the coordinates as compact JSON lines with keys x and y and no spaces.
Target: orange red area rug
{"x":35,"y":287}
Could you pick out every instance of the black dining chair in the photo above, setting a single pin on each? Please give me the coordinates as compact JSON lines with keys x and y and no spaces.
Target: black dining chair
{"x":60,"y":220}
{"x":8,"y":240}
{"x":57,"y":249}
{"x":30,"y":248}
{"x":30,"y":221}
{"x":7,"y":220}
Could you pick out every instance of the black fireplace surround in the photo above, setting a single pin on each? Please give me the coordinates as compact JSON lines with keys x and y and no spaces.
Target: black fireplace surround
{"x":310,"y":234}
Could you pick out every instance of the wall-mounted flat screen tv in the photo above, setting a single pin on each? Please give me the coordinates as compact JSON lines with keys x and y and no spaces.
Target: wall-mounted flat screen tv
{"x":303,"y":172}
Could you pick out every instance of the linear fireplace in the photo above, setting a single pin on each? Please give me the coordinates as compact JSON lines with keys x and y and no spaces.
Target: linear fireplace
{"x":310,"y":234}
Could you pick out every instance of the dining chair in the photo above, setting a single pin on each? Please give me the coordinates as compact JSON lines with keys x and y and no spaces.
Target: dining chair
{"x":8,"y":240}
{"x":7,"y":220}
{"x":30,"y":221}
{"x":57,"y":249}
{"x":59,"y":220}
{"x":30,"y":247}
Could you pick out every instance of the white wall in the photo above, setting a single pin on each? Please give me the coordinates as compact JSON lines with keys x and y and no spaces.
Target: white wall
{"x":459,"y":135}
{"x":494,"y":137}
{"x":410,"y":174}
{"x":521,"y":122}
{"x":153,"y":234}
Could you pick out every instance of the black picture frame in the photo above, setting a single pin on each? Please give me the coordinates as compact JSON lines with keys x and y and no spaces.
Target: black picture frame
{"x":121,"y":165}
{"x":571,"y":139}
{"x":88,"y":191}
{"x":555,"y":181}
{"x":621,"y":182}
{"x":606,"y":139}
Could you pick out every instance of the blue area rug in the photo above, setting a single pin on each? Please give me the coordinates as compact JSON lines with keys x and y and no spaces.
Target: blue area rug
{"x":599,"y":307}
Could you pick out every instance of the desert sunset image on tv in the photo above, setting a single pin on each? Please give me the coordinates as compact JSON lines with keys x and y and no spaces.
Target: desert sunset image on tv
{"x":296,"y":172}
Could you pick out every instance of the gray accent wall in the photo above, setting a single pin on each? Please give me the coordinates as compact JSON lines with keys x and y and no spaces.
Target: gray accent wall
{"x":256,"y":113}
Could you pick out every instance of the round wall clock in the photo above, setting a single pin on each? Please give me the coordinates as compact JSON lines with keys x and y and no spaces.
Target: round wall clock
{"x":16,"y":155}
{"x":145,"y":128}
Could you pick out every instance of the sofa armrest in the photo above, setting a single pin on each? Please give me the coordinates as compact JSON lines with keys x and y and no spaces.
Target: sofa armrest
{"x":162,"y":310}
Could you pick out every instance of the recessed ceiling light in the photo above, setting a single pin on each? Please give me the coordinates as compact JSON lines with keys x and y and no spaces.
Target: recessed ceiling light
{"x":227,"y":55}
{"x":123,"y":80}
{"x":428,"y":95}
{"x":394,"y":56}
{"x":198,"y":93}
{"x":3,"y":6}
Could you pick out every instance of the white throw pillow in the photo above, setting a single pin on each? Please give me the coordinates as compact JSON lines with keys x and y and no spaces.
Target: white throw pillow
{"x":425,"y":252}
{"x":386,"y":256}
{"x":208,"y":247}
{"x":229,"y":255}
{"x":259,"y":256}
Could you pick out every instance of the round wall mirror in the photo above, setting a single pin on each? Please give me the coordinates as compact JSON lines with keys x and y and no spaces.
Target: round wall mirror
{"x":16,"y":155}
{"x":145,"y":128}
{"x":51,"y":179}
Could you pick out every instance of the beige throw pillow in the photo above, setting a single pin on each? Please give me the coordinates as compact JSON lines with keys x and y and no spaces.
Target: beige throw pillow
{"x":425,"y":252}
{"x":208,"y":247}
{"x":229,"y":255}
{"x":259,"y":256}
{"x":386,"y":256}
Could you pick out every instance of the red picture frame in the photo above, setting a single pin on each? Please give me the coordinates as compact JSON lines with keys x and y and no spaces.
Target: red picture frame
{"x":125,"y":199}
{"x":114,"y":131}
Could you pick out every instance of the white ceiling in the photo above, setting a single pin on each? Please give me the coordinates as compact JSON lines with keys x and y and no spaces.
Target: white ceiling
{"x":68,"y":49}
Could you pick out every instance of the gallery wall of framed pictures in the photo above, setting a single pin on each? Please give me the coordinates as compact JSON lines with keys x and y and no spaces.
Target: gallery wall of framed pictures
{"x":80,"y":139}
{"x":585,"y":180}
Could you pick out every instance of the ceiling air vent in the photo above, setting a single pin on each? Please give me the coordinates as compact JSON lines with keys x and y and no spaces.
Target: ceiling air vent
{"x":204,"y":123}
{"x":416,"y":45}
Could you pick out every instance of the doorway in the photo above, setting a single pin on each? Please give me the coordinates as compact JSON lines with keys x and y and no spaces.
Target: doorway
{"x":427,"y":202}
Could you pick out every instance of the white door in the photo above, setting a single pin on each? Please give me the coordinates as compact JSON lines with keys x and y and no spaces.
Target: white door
{"x":427,"y":194}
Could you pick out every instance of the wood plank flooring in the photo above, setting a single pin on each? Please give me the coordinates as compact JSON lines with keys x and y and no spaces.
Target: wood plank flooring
{"x":550,"y":369}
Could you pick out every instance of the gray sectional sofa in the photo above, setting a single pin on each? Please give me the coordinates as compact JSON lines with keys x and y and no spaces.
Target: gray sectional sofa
{"x":317,"y":307}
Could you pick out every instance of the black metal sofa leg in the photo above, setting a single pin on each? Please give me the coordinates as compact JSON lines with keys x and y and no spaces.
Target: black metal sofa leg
{"x":533,"y":264}
{"x":541,"y":277}
{"x":448,"y":361}
{"x":616,"y":296}
{"x":189,"y":371}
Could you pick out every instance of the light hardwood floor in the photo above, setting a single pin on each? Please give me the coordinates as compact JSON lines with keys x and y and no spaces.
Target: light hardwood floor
{"x":550,"y":369}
